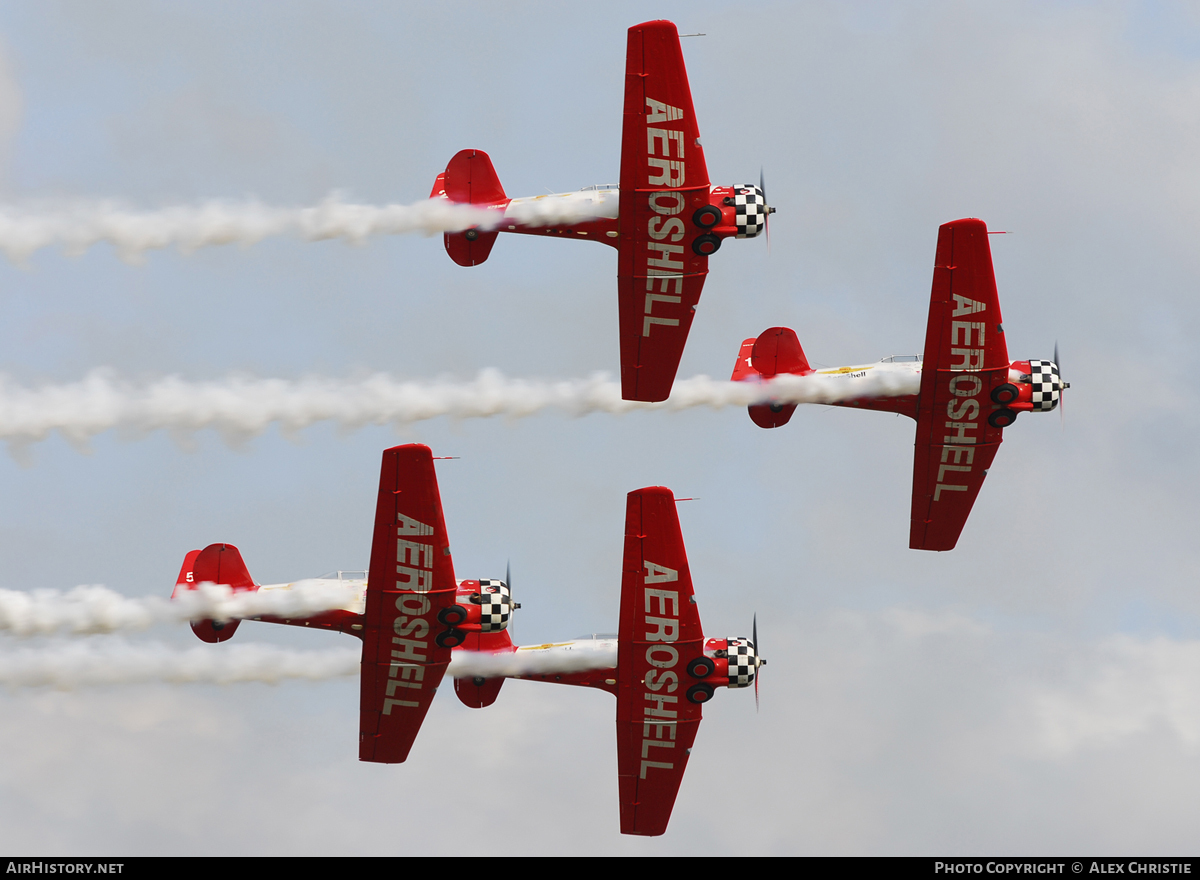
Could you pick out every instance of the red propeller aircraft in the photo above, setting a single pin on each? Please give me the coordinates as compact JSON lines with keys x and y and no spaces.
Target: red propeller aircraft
{"x":414,"y":614}
{"x":665,"y":219}
{"x":962,"y":392}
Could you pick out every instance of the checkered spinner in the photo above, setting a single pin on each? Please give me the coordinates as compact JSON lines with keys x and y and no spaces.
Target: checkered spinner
{"x":495,"y":605}
{"x":1046,"y":385}
{"x":751,"y":207}
{"x":743,"y":662}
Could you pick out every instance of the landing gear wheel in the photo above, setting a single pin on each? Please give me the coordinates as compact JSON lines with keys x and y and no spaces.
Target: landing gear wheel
{"x":471,"y":234}
{"x":699,"y":693}
{"x":451,"y":638}
{"x":701,"y":667}
{"x":1002,"y":418}
{"x":1005,"y":394}
{"x":707,"y":217}
{"x":452,"y":616}
{"x":706,"y":244}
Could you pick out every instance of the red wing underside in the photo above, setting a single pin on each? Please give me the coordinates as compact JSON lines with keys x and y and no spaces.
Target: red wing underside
{"x":659,"y":634}
{"x":965,"y":358}
{"x":664,"y":179}
{"x":411,"y":578}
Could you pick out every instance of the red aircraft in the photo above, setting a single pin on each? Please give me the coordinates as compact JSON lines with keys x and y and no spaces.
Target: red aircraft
{"x":962,"y":392}
{"x":414,"y":614}
{"x":664,"y":219}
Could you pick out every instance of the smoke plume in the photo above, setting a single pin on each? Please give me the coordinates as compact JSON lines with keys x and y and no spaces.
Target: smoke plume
{"x":113,"y":661}
{"x":92,"y":662}
{"x":97,"y":609}
{"x":240,"y":408}
{"x":77,"y":226}
{"x":578,"y":657}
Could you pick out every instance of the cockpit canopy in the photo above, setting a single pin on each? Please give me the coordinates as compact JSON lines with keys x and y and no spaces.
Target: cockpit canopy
{"x":339,"y":575}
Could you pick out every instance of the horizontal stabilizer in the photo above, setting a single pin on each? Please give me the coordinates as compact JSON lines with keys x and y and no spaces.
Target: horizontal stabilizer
{"x":778,"y":351}
{"x":478,"y":692}
{"x":470,"y":179}
{"x":771,"y":415}
{"x":216,"y":564}
{"x":468,"y":251}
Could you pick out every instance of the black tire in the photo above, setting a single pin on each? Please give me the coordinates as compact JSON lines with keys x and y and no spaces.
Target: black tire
{"x":706,"y":245}
{"x":451,"y":638}
{"x":471,"y":234}
{"x":1005,"y":394}
{"x":707,"y":217}
{"x":452,"y":615}
{"x":699,"y":693}
{"x":1002,"y":418}
{"x":701,"y":667}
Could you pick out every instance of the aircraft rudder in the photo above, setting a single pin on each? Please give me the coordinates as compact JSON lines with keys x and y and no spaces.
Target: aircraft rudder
{"x":215,"y":564}
{"x":743,"y":369}
{"x":469,"y":179}
{"x":776,"y":351}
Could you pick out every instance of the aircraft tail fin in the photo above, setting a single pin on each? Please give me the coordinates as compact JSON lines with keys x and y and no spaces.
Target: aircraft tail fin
{"x":470,"y":179}
{"x":215,"y":564}
{"x":775,"y":352}
{"x":741,"y":367}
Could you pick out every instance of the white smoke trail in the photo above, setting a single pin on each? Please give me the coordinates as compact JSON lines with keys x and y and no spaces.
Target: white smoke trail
{"x":131,"y":231}
{"x":112,"y":661}
{"x":544,"y":660}
{"x":97,"y":609}
{"x":240,"y":408}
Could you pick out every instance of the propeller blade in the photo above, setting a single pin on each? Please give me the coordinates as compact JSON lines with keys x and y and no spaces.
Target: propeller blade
{"x":762,"y":185}
{"x":754,"y":634}
{"x":508,"y":582}
{"x":1062,"y":394}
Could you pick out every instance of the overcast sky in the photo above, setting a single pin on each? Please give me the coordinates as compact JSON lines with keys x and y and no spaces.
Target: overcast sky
{"x":1036,"y":690}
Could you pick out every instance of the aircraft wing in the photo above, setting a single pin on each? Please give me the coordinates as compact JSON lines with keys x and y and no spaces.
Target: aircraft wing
{"x":664,"y":179}
{"x":659,"y":634}
{"x":965,"y":358}
{"x":410,"y":580}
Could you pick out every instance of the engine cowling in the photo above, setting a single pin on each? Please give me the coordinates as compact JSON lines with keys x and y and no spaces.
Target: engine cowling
{"x":1038,"y":383}
{"x":743,"y":211}
{"x":488,"y":605}
{"x":736,"y":662}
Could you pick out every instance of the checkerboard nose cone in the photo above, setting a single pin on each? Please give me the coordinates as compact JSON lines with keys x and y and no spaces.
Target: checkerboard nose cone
{"x":495,"y":605}
{"x":1046,"y":385}
{"x":750,"y":206}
